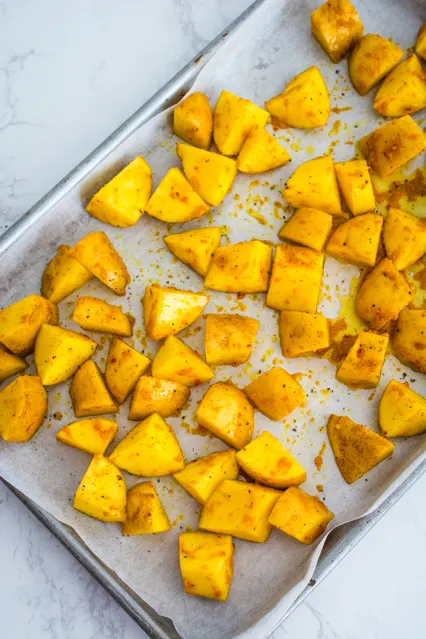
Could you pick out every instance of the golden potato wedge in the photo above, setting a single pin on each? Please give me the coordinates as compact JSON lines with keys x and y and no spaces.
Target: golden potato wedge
{"x":362,"y":366}
{"x":175,"y":201}
{"x":89,"y":393}
{"x":337,"y":27}
{"x":193,"y":120}
{"x":409,"y":339}
{"x":240,"y":268}
{"x":261,"y":152}
{"x":404,"y":237}
{"x":62,"y":276}
{"x":275,"y":393}
{"x":357,"y":240}
{"x":355,"y":184}
{"x":233,"y":119}
{"x":23,"y":407}
{"x":201,"y":477}
{"x":157,"y":396}
{"x":124,"y":367}
{"x":177,"y":362}
{"x":98,"y":316}
{"x":421,"y":42}
{"x":145,"y":514}
{"x":314,"y":185}
{"x":20,"y":322}
{"x":10,"y":364}
{"x":403,"y":91}
{"x":229,"y":339}
{"x":402,"y":412}
{"x":195,"y":248}
{"x":168,"y":311}
{"x":308,"y":227}
{"x":372,"y":58}
{"x":93,"y":436}
{"x":303,"y":333}
{"x":226,"y":412}
{"x":304,"y":103}
{"x":356,"y":449}
{"x":150,"y":449}
{"x":102,"y":491}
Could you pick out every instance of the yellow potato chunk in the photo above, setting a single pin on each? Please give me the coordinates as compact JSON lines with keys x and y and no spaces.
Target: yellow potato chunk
{"x":356,"y":449}
{"x":267,"y":462}
{"x":195,"y":248}
{"x":233,"y":119}
{"x":157,"y":396}
{"x":210,"y":174}
{"x":229,"y":339}
{"x":372,"y":58}
{"x":314,"y":185}
{"x":382,"y":295}
{"x":145,"y":512}
{"x":421,"y":42}
{"x":304,"y":103}
{"x":300,"y":515}
{"x":124,"y":367}
{"x":240,"y":268}
{"x":177,"y":362}
{"x":89,"y":393}
{"x":206,"y":564}
{"x":193,"y":120}
{"x":91,"y":435}
{"x":23,"y":407}
{"x":403,"y":91}
{"x":150,"y":449}
{"x":98,"y":316}
{"x":59,"y":352}
{"x":355,"y":184}
{"x":337,"y":27}
{"x":303,"y":333}
{"x":96,"y":253}
{"x":62,"y":276}
{"x":240,"y":509}
{"x":275,"y":393}
{"x":409,"y":339}
{"x":10,"y":364}
{"x":20,"y":322}
{"x":404,"y":237}
{"x":175,"y":201}
{"x":402,"y":412}
{"x":295,"y":282}
{"x":308,"y":227}
{"x":357,"y":240}
{"x":363,"y":365}
{"x":168,"y":311}
{"x":226,"y":412}
{"x":122,"y":201}
{"x":392,"y":145}
{"x":102,"y":492}
{"x":201,"y":477}
{"x":261,"y":152}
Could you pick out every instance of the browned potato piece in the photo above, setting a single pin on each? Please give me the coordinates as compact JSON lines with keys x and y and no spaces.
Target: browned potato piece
{"x":371,"y":60}
{"x":63,"y":275}
{"x":337,"y":27}
{"x":159,"y":396}
{"x":145,"y":512}
{"x":308,"y":227}
{"x":404,"y":237}
{"x":124,"y":367}
{"x":229,"y":339}
{"x":357,"y":240}
{"x":303,"y":333}
{"x":193,"y":120}
{"x":89,"y":393}
{"x":23,"y":407}
{"x":20,"y":322}
{"x":363,"y":365}
{"x":409,"y":339}
{"x":403,"y":91}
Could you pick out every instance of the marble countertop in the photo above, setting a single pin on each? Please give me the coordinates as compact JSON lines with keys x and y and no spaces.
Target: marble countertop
{"x":70,"y":73}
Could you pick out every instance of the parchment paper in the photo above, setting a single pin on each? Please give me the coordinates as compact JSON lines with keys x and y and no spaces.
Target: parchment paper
{"x":256,"y":62}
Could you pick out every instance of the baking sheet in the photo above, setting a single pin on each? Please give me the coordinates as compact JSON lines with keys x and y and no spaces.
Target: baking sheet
{"x":256,"y":62}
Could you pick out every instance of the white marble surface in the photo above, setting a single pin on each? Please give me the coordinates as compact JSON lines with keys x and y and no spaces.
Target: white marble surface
{"x":71,"y":72}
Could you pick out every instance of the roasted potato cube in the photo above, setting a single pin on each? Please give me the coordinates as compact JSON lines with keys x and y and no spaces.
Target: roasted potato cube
{"x":240,"y":268}
{"x":91,"y":435}
{"x":363,"y":365}
{"x":314,"y":185}
{"x":382,"y":295}
{"x":122,"y":201}
{"x":10,"y":364}
{"x":210,"y":174}
{"x":355,"y":184}
{"x":402,"y":412}
{"x":177,"y":362}
{"x":98,"y":316}
{"x":89,"y":393}
{"x":261,"y":152}
{"x":372,"y":58}
{"x":392,"y":145}
{"x":96,"y":253}
{"x":421,"y":42}
{"x":356,"y":448}
{"x":357,"y":240}
{"x":168,"y":311}
{"x":233,"y":119}
{"x":404,"y":237}
{"x":63,"y":275}
{"x":337,"y":27}
{"x":20,"y":322}
{"x":201,"y":477}
{"x":145,"y":512}
{"x":240,"y":509}
{"x":195,"y":248}
{"x":59,"y":352}
{"x":102,"y":491}
{"x":206,"y":564}
{"x":175,"y":201}
{"x":304,"y":103}
{"x":124,"y":367}
{"x":150,"y":449}
{"x":300,"y":515}
{"x":267,"y":462}
{"x":308,"y":227}
{"x":409,"y":339}
{"x":295,"y":282}
{"x":226,"y":412}
{"x":403,"y":91}
{"x":275,"y":393}
{"x":193,"y":120}
{"x":157,"y":396}
{"x":229,"y":339}
{"x":23,"y":407}
{"x":303,"y":333}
